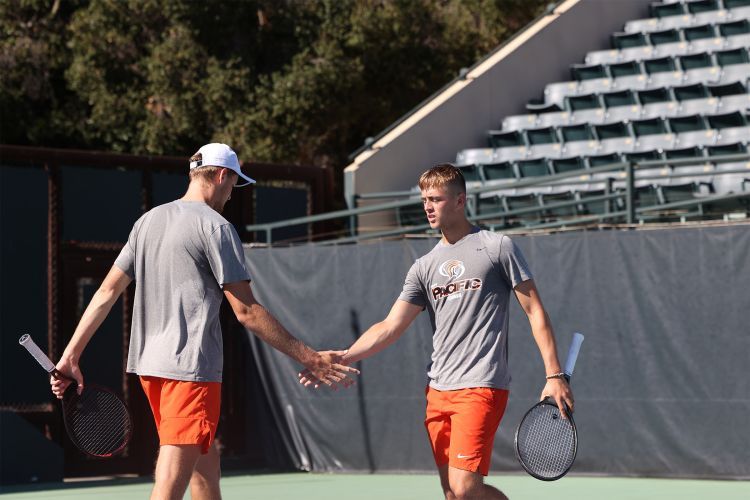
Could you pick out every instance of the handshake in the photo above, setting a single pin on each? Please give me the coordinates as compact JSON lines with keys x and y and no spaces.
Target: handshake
{"x":329,"y":368}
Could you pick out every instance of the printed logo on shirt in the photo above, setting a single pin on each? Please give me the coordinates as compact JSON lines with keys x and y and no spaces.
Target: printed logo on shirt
{"x":454,"y":269}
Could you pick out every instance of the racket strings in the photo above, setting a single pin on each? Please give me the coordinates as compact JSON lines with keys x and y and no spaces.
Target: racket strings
{"x":98,"y":421}
{"x":546,"y":442}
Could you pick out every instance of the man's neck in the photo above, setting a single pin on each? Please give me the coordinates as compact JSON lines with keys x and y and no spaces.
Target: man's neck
{"x":198,"y":191}
{"x":454,"y":233}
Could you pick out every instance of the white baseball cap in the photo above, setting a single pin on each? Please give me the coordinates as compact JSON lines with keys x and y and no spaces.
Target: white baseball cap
{"x":219,"y":155}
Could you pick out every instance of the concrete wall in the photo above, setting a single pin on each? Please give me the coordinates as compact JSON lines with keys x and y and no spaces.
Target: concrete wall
{"x":459,"y":117}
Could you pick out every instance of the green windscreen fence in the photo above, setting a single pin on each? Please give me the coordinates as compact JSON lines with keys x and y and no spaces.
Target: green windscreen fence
{"x":23,"y":281}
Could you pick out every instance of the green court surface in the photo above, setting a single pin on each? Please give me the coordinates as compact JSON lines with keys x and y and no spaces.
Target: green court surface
{"x":400,"y":487}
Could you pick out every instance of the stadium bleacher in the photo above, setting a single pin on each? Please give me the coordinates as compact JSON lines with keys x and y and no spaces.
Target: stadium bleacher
{"x":673,"y":86}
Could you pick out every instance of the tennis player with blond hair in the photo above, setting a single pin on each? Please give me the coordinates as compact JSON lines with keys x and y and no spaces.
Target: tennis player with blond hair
{"x":465,"y":283}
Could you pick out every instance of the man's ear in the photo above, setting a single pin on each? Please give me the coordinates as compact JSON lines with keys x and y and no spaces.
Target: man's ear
{"x":222,"y":175}
{"x":461,"y":199}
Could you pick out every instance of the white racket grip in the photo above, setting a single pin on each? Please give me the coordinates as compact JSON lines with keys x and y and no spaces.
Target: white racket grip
{"x":37,"y":353}
{"x":575,"y":346}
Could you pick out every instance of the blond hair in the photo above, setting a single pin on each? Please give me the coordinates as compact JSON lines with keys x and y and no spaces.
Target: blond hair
{"x":443,"y":175}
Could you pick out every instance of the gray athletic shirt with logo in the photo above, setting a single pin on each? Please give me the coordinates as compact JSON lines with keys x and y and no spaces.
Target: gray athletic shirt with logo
{"x":180,"y":254}
{"x":466,"y":288}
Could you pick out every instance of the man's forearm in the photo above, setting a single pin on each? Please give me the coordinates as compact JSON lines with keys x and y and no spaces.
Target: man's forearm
{"x":541,"y":328}
{"x":268,"y":329}
{"x":92,"y":318}
{"x":375,"y":339}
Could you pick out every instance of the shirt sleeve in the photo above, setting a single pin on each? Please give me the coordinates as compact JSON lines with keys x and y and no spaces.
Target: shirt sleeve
{"x":512,"y":262}
{"x":225,"y":255}
{"x":126,"y":260}
{"x":413,"y":291}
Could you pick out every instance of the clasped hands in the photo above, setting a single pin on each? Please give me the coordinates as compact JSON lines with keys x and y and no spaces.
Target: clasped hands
{"x":328,"y":369}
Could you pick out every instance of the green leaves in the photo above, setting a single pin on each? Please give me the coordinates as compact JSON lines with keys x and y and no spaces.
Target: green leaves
{"x":297,"y":81}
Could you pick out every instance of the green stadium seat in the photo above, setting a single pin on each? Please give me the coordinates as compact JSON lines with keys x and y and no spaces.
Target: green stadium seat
{"x":701,"y":172}
{"x":543,"y":142}
{"x":520,"y":202}
{"x":472,"y":173}
{"x":411,"y":216}
{"x":553,"y":213}
{"x":694,"y":33}
{"x":652,"y":133}
{"x":646,"y":196}
{"x":681,"y":192}
{"x":661,"y":10}
{"x":581,"y":72}
{"x":625,"y":69}
{"x":732,"y":178}
{"x":732,"y":127}
{"x":702,"y":6}
{"x":731,"y":57}
{"x":735,"y":4}
{"x":533,"y":168}
{"x":565,"y":165}
{"x":508,"y":145}
{"x":695,"y":61}
{"x":490,"y":204}
{"x":614,"y":137}
{"x":599,"y":207}
{"x":503,"y":172}
{"x":668,"y":36}
{"x":622,"y":41}
{"x":602,"y":160}
{"x":648,"y":175}
{"x":734,"y":28}
{"x":722,"y":90}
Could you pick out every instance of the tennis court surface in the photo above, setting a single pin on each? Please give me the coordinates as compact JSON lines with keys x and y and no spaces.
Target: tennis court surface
{"x":400,"y":487}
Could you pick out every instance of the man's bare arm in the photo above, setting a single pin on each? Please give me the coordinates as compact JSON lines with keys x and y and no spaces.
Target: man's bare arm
{"x":96,"y":312}
{"x":382,"y":334}
{"x":376,"y":338}
{"x":541,"y":327}
{"x":255,"y":317}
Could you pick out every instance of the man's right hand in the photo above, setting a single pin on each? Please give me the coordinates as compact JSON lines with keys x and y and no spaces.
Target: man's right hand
{"x":326,"y":368}
{"x":70,"y":369}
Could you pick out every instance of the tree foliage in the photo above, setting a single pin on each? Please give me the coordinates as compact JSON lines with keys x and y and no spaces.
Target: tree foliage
{"x":282,"y":81}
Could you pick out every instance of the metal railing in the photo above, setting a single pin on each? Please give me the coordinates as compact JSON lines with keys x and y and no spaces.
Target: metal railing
{"x":629,"y":212}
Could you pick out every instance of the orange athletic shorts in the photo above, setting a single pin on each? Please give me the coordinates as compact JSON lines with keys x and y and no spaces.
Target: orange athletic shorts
{"x":184,"y":412}
{"x":461,"y":425}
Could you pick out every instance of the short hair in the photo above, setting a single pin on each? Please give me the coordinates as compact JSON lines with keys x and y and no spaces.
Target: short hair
{"x":443,"y":175}
{"x":203,"y":173}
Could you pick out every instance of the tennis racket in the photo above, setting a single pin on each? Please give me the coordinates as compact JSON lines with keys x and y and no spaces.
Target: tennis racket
{"x":546,"y":443}
{"x":97,"y":420}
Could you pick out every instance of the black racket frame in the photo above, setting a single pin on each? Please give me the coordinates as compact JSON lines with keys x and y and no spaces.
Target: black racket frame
{"x":69,"y":398}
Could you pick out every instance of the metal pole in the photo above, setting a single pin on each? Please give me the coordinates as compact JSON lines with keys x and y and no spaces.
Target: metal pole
{"x":630,"y":192}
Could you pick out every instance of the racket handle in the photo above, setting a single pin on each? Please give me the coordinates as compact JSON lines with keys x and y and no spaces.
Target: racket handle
{"x":28,"y":343}
{"x":575,"y":346}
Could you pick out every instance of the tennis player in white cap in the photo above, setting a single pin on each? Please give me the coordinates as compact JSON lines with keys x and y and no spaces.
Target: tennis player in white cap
{"x":185,"y":258}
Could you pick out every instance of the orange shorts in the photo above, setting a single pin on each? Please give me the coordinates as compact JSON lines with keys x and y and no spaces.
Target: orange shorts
{"x":184,"y":412}
{"x":461,"y":425}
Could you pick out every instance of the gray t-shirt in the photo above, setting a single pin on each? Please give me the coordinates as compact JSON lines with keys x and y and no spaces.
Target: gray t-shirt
{"x":180,"y":254}
{"x":466,"y":289}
